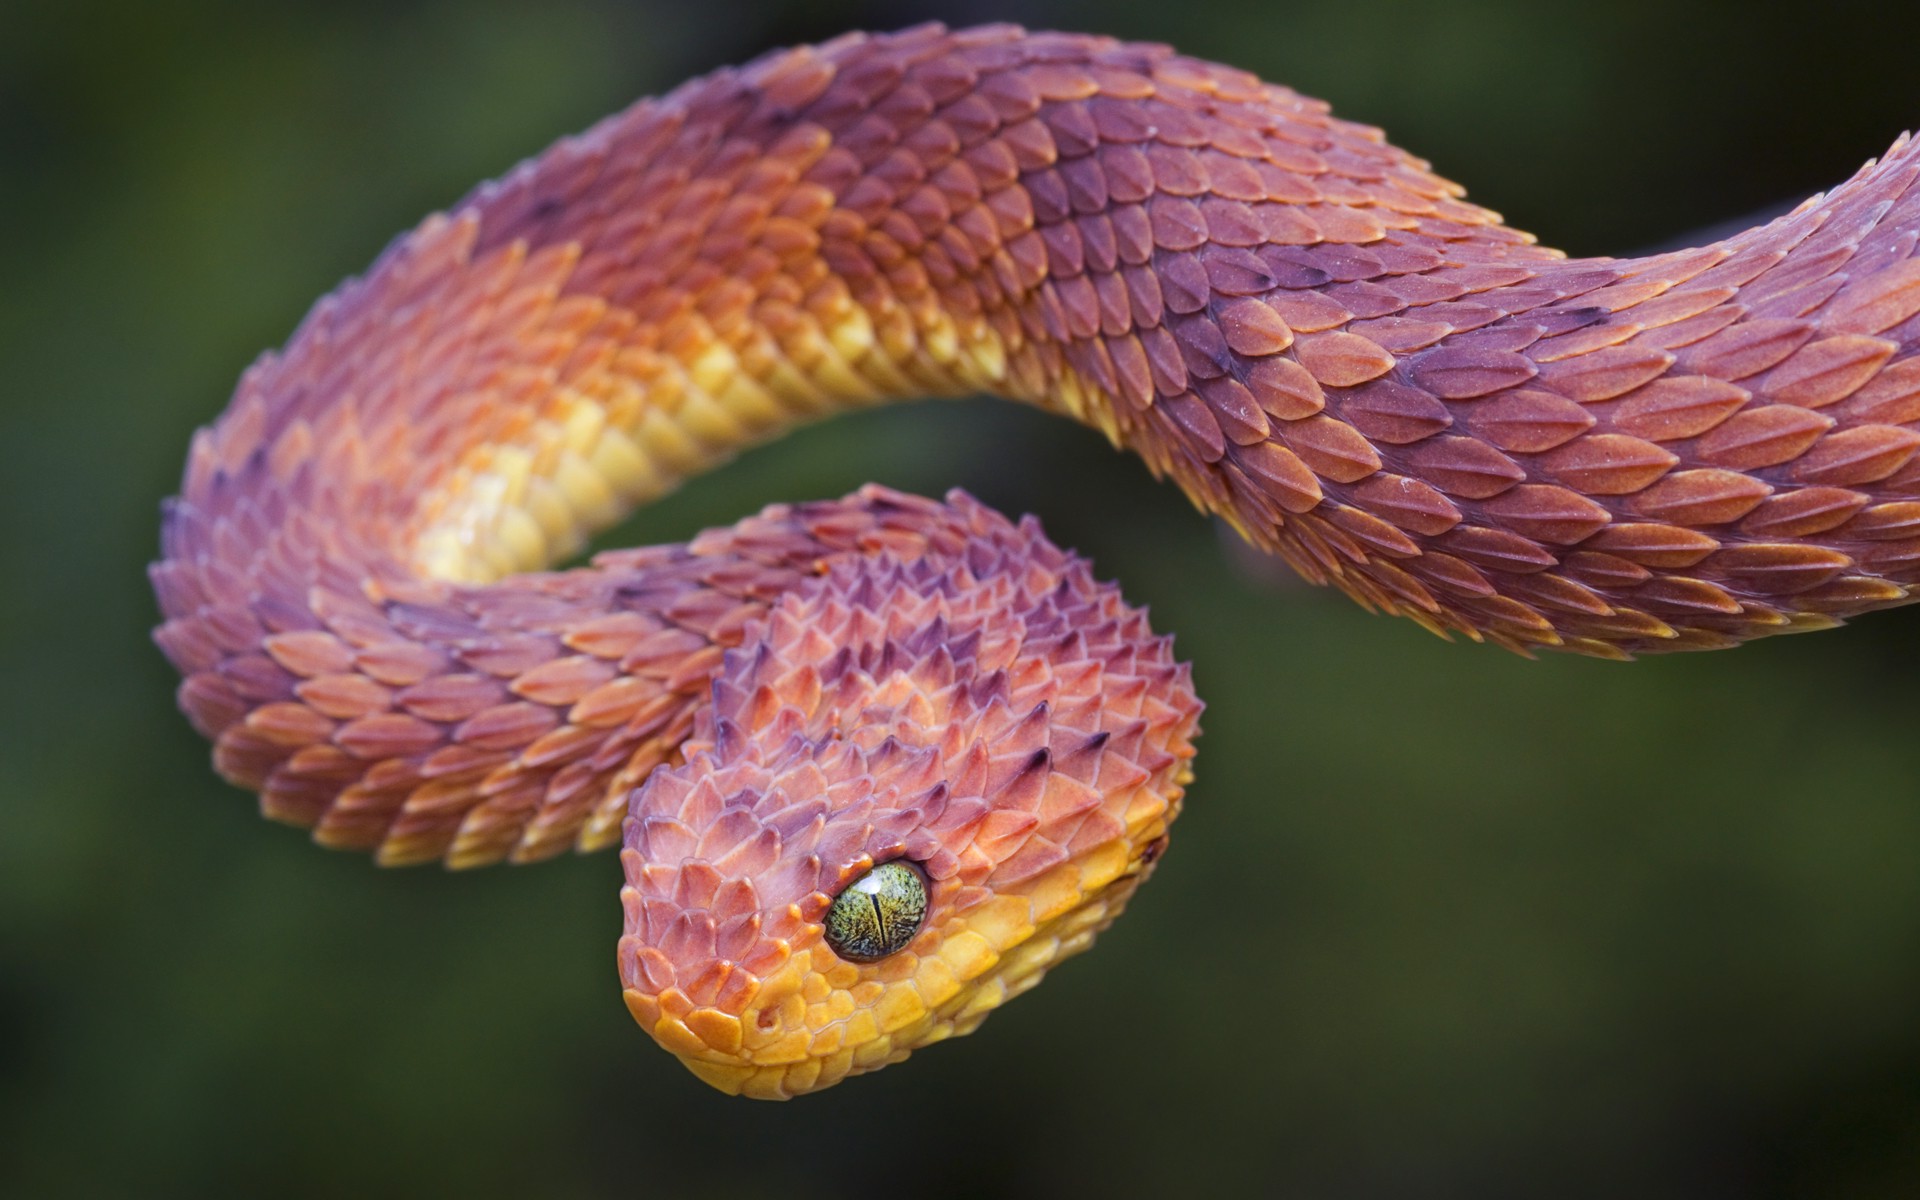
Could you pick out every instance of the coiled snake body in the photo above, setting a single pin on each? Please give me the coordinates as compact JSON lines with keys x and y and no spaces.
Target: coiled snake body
{"x":1312,"y":335}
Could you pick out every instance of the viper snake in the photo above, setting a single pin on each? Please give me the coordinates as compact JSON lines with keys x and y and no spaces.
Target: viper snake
{"x":877,"y":763}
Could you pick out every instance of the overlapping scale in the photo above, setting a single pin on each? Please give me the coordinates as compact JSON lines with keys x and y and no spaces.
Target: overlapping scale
{"x":1305,"y":328}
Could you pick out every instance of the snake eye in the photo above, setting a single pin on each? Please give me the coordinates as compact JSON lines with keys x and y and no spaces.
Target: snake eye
{"x":878,"y":913}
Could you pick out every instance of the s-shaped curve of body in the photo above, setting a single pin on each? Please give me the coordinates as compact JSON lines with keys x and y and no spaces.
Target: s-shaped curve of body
{"x":881,"y":761}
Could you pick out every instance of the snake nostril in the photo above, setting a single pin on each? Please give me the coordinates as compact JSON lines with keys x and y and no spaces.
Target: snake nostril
{"x":766,"y":1018}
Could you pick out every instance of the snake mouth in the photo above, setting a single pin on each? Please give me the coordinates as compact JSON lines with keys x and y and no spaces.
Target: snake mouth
{"x":819,"y":1019}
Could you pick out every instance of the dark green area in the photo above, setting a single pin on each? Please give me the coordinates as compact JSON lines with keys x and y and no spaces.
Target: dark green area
{"x":1439,"y":921}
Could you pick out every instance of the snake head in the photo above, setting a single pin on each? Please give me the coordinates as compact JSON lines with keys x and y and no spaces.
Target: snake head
{"x":1004,"y":731}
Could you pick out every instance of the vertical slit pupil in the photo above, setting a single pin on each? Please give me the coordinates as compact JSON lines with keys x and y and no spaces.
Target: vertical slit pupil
{"x":895,"y":904}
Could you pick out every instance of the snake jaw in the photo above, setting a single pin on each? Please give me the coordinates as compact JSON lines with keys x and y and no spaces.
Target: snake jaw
{"x":991,"y":714}
{"x":817,"y":1018}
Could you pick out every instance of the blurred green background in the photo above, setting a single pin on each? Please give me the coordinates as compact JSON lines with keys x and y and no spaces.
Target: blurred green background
{"x":1439,"y":921}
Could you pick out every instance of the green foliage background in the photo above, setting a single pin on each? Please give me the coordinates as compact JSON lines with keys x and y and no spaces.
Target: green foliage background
{"x":1438,"y":922}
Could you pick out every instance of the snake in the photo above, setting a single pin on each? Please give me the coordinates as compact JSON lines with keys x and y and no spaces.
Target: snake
{"x":876,"y":764}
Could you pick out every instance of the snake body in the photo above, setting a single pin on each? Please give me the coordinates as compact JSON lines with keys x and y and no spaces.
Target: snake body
{"x":1311,"y":334}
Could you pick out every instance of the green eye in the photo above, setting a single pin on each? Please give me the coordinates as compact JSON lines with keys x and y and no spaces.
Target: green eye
{"x":878,"y":913}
